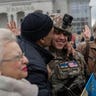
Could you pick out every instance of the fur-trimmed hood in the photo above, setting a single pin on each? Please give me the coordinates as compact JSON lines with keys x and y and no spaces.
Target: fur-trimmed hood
{"x":13,"y":87}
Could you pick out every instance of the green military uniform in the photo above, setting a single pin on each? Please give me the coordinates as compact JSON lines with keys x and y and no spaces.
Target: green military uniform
{"x":64,"y":76}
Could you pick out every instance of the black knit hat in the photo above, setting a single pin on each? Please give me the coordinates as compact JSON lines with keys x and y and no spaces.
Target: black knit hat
{"x":36,"y":26}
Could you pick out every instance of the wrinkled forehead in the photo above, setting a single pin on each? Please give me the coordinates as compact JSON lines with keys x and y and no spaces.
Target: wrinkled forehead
{"x":11,"y":48}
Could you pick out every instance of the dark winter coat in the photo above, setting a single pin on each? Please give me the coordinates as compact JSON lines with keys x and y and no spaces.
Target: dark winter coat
{"x":37,"y":68}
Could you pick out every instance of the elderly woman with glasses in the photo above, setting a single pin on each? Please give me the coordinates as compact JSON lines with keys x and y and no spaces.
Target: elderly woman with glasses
{"x":13,"y":68}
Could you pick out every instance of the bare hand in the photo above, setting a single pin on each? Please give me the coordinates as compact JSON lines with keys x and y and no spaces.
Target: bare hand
{"x":12,"y":26}
{"x":87,"y":32}
{"x":70,"y":48}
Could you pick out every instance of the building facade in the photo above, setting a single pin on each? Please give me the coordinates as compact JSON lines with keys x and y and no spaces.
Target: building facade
{"x":81,"y":11}
{"x":17,"y":9}
{"x":13,"y":10}
{"x":92,"y":4}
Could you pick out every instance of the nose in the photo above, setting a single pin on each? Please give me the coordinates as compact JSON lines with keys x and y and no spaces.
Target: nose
{"x":62,"y":36}
{"x":25,"y":60}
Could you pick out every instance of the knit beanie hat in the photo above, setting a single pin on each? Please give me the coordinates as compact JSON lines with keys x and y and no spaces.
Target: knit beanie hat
{"x":36,"y":26}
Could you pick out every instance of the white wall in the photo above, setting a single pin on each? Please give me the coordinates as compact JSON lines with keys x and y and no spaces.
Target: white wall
{"x":45,"y":6}
{"x":12,"y":8}
{"x":60,"y":5}
{"x":93,"y":11}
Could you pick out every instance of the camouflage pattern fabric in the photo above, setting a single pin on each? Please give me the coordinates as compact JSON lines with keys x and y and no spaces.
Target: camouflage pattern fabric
{"x":64,"y":71}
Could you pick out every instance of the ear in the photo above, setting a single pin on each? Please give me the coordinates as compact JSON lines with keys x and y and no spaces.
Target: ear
{"x":42,"y":41}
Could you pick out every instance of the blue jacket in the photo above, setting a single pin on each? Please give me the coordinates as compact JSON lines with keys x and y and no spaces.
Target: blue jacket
{"x":37,"y":68}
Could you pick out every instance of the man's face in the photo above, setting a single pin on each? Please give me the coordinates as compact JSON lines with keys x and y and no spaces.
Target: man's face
{"x":48,"y":38}
{"x":59,"y":40}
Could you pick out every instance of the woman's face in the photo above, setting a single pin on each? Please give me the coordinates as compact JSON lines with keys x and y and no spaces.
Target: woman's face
{"x":14,"y":62}
{"x":59,"y":40}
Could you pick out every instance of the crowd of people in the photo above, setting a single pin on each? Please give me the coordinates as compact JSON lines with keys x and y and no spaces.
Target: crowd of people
{"x":50,"y":65}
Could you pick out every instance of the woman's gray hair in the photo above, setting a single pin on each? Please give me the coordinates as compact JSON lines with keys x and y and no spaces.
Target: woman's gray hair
{"x":5,"y":36}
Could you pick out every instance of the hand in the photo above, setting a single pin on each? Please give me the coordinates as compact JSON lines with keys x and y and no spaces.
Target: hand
{"x":70,"y":48}
{"x":12,"y":26}
{"x":87,"y":32}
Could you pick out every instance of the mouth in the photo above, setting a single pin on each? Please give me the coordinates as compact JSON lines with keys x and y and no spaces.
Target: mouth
{"x":24,"y":69}
{"x":61,"y":42}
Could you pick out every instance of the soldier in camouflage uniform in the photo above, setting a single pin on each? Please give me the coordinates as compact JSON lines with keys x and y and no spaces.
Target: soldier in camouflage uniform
{"x":67,"y":73}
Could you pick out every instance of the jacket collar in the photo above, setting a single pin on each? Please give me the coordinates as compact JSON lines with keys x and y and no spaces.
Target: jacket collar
{"x":22,"y":87}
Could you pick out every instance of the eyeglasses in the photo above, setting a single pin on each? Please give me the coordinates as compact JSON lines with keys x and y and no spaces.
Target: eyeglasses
{"x":15,"y":58}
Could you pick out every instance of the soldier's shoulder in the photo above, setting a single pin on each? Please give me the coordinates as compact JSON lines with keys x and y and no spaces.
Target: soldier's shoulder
{"x":92,"y":44}
{"x":79,"y":54}
{"x":81,"y":46}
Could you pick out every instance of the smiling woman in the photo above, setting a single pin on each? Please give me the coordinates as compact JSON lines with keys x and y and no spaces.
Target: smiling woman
{"x":13,"y":68}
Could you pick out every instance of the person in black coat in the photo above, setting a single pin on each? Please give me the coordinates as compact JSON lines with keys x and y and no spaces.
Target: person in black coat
{"x":36,"y":33}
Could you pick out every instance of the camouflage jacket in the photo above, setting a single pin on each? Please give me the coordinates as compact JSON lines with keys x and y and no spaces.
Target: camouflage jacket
{"x":81,"y":68}
{"x":77,"y":76}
